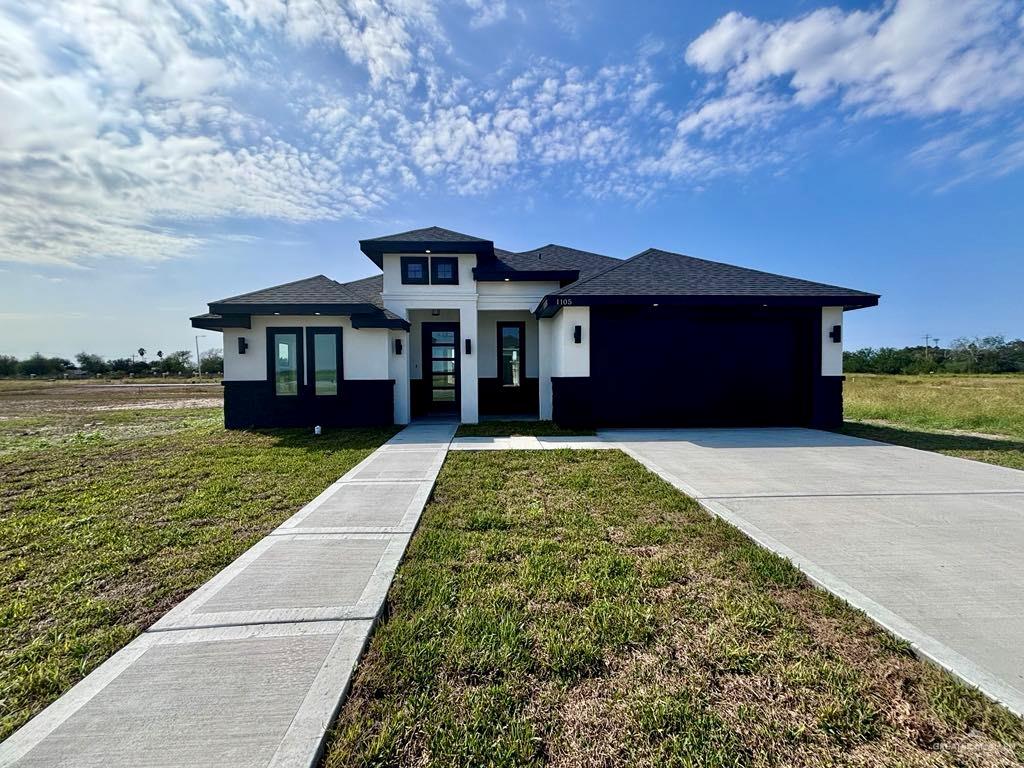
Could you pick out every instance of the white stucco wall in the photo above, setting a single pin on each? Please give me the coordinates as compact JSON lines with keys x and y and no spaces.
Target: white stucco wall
{"x":488,"y":365}
{"x":364,"y":350}
{"x":398,"y":367}
{"x":514,"y":295}
{"x":558,"y":355}
{"x":570,"y":358}
{"x":831,"y":351}
{"x":545,"y":364}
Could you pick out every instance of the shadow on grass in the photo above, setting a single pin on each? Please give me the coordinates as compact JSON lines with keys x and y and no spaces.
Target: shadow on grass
{"x":931,"y":441}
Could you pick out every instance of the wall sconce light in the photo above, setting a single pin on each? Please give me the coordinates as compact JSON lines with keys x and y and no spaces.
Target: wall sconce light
{"x":469,"y":347}
{"x":836,"y":334}
{"x":398,"y":346}
{"x":577,"y":334}
{"x":435,"y":312}
{"x":242,"y":345}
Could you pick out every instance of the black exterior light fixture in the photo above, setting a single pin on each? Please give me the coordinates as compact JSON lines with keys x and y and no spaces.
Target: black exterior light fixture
{"x":577,"y":334}
{"x":242,"y":345}
{"x":398,"y":346}
{"x":836,"y":334}
{"x":469,"y":347}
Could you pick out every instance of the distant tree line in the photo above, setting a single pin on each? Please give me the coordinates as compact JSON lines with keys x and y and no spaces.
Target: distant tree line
{"x":171,"y":364}
{"x":991,"y":354}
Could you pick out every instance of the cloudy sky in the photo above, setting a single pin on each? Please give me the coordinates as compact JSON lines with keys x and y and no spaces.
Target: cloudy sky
{"x":159,"y":154}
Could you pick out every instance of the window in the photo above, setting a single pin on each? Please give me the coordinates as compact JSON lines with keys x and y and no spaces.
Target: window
{"x":284,"y":360}
{"x":511,"y":353}
{"x":414,"y":270}
{"x":444,"y":270}
{"x":324,"y":349}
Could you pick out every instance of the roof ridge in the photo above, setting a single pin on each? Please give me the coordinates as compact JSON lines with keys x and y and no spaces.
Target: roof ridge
{"x":571,"y":248}
{"x":611,"y":267}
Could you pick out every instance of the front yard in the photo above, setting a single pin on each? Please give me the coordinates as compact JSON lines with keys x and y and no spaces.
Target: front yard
{"x":116,"y":504}
{"x":570,"y":608}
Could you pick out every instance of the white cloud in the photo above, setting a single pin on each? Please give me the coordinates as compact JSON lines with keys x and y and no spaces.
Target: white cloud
{"x":134,"y":128}
{"x":915,"y":57}
{"x":487,"y":12}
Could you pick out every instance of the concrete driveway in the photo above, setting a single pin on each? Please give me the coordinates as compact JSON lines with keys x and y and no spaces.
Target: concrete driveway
{"x":932,"y":547}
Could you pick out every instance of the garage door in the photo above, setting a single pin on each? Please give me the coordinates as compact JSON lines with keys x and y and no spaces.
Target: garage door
{"x":675,"y":366}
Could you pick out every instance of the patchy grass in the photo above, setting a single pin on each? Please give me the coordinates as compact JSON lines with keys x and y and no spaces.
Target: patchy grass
{"x":972,"y":417}
{"x":570,"y":608}
{"x":988,"y":404}
{"x":515,"y":428}
{"x":108,"y":518}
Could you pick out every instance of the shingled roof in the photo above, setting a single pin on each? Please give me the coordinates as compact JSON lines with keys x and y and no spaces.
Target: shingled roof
{"x":361,"y":300}
{"x":318,"y":289}
{"x":655,"y":274}
{"x":553,"y":257}
{"x":427,"y":234}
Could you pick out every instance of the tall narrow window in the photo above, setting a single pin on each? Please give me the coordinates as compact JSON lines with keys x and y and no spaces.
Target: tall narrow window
{"x":511,"y":353}
{"x":285,"y":360}
{"x":324,"y":348}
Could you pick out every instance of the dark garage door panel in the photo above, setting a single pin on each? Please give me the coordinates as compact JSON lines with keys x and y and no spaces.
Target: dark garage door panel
{"x":668,"y":366}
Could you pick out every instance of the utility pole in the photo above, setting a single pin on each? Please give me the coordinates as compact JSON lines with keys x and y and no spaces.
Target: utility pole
{"x":927,"y":348}
{"x":199,"y":364}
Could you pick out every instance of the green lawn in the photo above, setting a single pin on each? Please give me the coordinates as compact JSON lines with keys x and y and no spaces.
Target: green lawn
{"x":110,"y":517}
{"x":570,"y":608}
{"x":513,"y":428}
{"x":973,"y":417}
{"x":988,"y":404}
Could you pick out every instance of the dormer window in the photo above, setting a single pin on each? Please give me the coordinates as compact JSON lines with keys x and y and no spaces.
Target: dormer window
{"x":444,"y":270}
{"x":414,"y":270}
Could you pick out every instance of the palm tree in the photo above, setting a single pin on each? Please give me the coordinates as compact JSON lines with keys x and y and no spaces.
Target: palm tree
{"x":160,"y":354}
{"x":142,"y":352}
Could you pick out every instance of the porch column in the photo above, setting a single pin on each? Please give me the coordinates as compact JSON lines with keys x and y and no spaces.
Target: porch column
{"x":545,"y":365}
{"x":398,"y":365}
{"x":469,"y":388}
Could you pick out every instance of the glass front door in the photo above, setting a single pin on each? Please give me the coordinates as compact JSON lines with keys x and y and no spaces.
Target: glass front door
{"x":441,"y":366}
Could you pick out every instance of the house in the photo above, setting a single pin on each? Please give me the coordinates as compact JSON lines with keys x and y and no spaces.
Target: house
{"x":454,"y":325}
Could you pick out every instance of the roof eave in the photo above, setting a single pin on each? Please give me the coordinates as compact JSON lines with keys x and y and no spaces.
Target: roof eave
{"x":219,"y":323}
{"x":292,"y":308}
{"x":550,"y":305}
{"x":564,"y":276}
{"x":380,"y":321}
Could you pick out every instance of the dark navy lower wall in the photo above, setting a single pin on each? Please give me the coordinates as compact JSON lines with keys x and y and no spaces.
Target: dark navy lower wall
{"x":496,"y":400}
{"x":828,"y":402}
{"x":572,"y":402}
{"x":362,"y":403}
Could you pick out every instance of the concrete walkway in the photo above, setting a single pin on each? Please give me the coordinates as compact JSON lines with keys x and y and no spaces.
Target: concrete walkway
{"x":250,"y":670}
{"x":931,"y":547}
{"x":527,"y":443}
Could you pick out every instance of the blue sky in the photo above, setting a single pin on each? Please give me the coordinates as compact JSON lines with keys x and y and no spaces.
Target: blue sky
{"x":159,"y":154}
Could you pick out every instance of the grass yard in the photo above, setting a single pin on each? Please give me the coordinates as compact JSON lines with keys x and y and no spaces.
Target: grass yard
{"x":570,"y":608}
{"x":516,"y":428}
{"x":116,"y":503}
{"x":973,"y":417}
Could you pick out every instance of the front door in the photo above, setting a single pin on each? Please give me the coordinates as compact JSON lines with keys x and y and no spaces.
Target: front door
{"x":441,"y":366}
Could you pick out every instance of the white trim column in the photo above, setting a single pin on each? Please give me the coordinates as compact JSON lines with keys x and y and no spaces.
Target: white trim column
{"x":398,"y":368}
{"x":468,"y":373}
{"x":831,"y":350}
{"x":545,"y":365}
